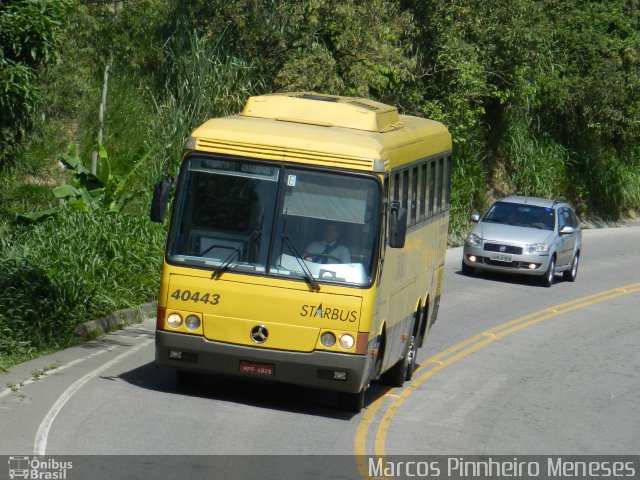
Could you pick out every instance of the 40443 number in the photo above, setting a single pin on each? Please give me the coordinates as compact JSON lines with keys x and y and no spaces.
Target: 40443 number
{"x":196,"y":297}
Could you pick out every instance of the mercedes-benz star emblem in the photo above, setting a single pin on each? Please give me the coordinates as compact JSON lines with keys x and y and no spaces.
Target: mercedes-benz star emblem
{"x":259,"y":334}
{"x":503,"y":248}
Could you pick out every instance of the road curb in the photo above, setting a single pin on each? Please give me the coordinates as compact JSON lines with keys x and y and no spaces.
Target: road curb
{"x":115,"y":321}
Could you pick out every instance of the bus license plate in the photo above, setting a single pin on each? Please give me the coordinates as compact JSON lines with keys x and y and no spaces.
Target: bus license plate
{"x":258,"y":369}
{"x":501,"y":258}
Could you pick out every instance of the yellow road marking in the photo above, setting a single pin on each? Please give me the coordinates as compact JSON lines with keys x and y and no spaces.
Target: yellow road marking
{"x":451,"y":355}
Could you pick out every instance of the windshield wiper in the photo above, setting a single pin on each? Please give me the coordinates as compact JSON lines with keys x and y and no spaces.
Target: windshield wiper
{"x":217,"y":273}
{"x":308,"y":276}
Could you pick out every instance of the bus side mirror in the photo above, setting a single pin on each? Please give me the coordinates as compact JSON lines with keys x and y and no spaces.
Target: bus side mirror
{"x":397,"y":226}
{"x":160,"y":201}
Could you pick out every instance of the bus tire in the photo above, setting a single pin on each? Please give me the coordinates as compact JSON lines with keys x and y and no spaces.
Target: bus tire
{"x":353,"y":402}
{"x":395,"y":376}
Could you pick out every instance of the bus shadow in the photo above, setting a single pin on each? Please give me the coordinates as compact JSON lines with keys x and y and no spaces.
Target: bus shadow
{"x":255,"y":393}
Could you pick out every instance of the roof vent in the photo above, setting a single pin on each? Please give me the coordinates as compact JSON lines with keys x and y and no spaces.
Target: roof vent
{"x":325,"y":110}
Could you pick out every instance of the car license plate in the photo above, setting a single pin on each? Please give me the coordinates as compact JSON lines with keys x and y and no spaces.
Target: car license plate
{"x":257,"y":369}
{"x":501,"y":258}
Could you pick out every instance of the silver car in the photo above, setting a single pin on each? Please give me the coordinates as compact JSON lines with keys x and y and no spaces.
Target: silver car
{"x":525,"y":235}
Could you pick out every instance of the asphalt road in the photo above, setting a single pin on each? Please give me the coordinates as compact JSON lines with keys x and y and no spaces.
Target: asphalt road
{"x":510,"y":368}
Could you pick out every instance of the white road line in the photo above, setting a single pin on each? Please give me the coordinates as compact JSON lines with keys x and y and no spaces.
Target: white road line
{"x":40,"y":445}
{"x":52,"y":371}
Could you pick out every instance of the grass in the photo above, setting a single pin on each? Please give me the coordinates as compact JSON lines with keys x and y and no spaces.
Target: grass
{"x":535,"y":164}
{"x":70,"y":268}
{"x":613,"y":183}
{"x":202,"y":81}
{"x":469,"y":183}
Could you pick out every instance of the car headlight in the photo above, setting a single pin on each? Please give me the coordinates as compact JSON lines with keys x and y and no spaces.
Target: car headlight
{"x":474,"y":240}
{"x":538,"y":248}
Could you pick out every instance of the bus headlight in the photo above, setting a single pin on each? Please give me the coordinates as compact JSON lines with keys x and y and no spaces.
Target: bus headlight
{"x":192,"y":322}
{"x":347,"y":341}
{"x":174,"y":320}
{"x":328,"y":339}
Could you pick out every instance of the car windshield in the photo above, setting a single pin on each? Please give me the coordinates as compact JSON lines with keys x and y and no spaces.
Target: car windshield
{"x":265,"y":219}
{"x":521,"y":215}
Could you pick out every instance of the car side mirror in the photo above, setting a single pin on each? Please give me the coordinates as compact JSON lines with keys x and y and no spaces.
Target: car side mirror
{"x":397,"y":226}
{"x":160,"y":201}
{"x":475,"y":218}
{"x":567,"y":230}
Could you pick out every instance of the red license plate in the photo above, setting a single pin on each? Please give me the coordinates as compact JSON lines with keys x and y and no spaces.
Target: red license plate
{"x":258,"y":369}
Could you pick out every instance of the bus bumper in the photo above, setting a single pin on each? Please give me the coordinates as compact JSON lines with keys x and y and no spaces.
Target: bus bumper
{"x":324,"y":370}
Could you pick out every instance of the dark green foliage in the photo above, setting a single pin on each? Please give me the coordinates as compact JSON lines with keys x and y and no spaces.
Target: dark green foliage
{"x":28,"y":300}
{"x":340,"y":47}
{"x":201,"y":80}
{"x":29,"y":36}
{"x":72,"y":267}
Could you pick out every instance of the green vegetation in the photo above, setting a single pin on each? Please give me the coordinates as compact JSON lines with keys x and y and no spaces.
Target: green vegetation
{"x":542,"y":98}
{"x":71,"y":267}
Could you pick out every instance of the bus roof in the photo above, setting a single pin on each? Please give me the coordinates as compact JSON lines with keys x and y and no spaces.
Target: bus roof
{"x":334,"y":131}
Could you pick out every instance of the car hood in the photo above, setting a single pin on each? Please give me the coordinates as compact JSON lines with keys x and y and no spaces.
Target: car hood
{"x":511,"y":234}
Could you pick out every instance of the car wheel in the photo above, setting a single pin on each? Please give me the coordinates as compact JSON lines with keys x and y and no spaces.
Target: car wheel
{"x":548,"y":277}
{"x":571,"y":274}
{"x":467,"y":270}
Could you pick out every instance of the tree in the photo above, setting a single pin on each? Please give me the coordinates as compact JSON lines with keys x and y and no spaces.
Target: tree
{"x":29,"y":36}
{"x":361,"y":48}
{"x":595,"y":85}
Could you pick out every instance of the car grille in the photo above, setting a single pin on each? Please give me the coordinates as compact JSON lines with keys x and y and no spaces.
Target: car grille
{"x":496,"y":247}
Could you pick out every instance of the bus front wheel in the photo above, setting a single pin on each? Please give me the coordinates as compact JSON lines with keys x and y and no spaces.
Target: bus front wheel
{"x":354,"y":402}
{"x":396,"y":375}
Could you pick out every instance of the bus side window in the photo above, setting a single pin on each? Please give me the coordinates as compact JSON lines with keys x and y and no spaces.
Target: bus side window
{"x":388,"y":190}
{"x":447,"y":198}
{"x":423,"y":190}
{"x":440,"y":185}
{"x":432,"y":185}
{"x":405,"y":189}
{"x":414,"y":196}
{"x":395,"y":186}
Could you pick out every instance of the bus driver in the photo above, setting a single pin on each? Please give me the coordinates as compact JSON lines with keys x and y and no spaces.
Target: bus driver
{"x":328,"y":250}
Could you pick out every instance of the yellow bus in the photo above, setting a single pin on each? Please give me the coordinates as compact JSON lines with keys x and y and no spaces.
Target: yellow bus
{"x":306,"y":244}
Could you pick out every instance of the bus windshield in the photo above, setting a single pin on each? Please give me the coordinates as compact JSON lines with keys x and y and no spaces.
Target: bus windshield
{"x":273,"y":220}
